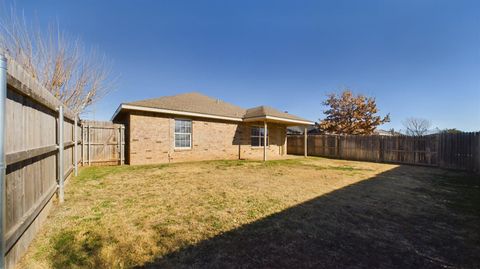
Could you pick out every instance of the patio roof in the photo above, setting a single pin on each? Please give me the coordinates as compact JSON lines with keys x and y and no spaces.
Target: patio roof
{"x":270,"y":114}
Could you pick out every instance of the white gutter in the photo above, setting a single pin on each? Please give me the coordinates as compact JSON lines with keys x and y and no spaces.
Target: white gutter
{"x":174,"y":112}
{"x":301,"y":122}
{"x":202,"y":115}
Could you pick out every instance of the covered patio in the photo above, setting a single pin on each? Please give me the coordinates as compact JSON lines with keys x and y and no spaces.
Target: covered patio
{"x":264,"y":115}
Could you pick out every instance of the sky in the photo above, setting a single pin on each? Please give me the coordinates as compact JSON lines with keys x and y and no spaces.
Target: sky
{"x":418,"y":58}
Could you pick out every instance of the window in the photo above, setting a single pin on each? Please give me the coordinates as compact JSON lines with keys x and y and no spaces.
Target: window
{"x":257,"y":135}
{"x":183,"y":133}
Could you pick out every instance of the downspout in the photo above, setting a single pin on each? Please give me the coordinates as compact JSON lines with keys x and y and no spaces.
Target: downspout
{"x":3,"y":166}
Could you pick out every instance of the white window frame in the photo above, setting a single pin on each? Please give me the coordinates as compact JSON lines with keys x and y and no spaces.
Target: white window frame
{"x":260,"y":136}
{"x":175,"y":133}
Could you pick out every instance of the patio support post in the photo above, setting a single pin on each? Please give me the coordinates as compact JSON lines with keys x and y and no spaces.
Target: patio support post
{"x":265,"y":133}
{"x":305,"y":137}
{"x":3,"y":165}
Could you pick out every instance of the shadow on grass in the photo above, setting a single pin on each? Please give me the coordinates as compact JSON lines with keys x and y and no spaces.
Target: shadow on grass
{"x":408,"y":217}
{"x":69,"y":251}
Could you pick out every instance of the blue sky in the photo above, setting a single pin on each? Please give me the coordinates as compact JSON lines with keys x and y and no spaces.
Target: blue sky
{"x":418,"y":58}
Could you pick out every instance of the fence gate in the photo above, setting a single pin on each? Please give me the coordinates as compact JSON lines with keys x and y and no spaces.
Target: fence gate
{"x":104,"y":143}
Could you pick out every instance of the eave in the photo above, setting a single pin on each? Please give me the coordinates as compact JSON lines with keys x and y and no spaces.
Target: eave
{"x":286,"y":121}
{"x":281,"y":120}
{"x":172,"y":112}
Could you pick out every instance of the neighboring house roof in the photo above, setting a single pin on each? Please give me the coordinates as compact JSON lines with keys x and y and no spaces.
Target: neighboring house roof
{"x":386,"y":133}
{"x":293,"y":130}
{"x":197,"y":104}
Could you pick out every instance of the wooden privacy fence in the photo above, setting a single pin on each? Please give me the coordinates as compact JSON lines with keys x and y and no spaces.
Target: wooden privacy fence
{"x":42,"y":148}
{"x":459,"y":151}
{"x":40,"y":151}
{"x":104,"y":143}
{"x":454,"y":151}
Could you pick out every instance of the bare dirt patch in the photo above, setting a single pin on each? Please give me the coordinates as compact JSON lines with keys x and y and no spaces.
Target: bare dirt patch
{"x":312,"y":212}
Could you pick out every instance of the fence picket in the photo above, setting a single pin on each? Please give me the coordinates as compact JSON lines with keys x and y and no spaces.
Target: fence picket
{"x":105,"y":142}
{"x":454,"y":151}
{"x":33,"y":156}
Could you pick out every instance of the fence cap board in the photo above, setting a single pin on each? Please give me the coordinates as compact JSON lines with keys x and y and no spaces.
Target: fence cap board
{"x":101,"y":124}
{"x":22,"y":82}
{"x":460,"y":151}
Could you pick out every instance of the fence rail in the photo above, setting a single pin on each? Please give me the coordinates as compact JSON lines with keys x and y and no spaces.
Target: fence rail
{"x":454,"y":151}
{"x":33,"y":150}
{"x":42,"y":148}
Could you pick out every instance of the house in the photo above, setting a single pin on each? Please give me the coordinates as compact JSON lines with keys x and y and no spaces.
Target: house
{"x":299,"y":130}
{"x":390,"y":132}
{"x":192,"y":126}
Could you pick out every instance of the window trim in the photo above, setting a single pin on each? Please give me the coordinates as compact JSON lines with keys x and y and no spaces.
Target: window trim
{"x":260,"y":137}
{"x":175,"y":133}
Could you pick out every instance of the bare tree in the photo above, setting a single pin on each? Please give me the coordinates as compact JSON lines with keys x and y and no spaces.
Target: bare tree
{"x":416,"y":126}
{"x":79,"y":77}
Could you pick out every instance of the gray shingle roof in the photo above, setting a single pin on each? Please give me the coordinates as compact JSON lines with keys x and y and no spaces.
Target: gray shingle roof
{"x":193,"y":102}
{"x":198,"y":103}
{"x":263,"y":111}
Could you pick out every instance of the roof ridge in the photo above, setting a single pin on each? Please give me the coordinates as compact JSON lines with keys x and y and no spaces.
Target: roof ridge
{"x":166,"y":96}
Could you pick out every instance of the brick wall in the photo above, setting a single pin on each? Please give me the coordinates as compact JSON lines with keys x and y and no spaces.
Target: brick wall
{"x":151,"y":140}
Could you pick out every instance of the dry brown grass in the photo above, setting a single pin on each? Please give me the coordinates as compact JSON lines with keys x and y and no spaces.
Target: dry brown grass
{"x":312,"y":212}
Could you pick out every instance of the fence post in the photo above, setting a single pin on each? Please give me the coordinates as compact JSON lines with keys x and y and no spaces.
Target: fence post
{"x":75,"y":138}
{"x":83,"y":145}
{"x":60,"y":159}
{"x":477,"y":142}
{"x":3,"y":166}
{"x":119,"y":144}
{"x":337,"y":148}
{"x":89,"y":145}
{"x":439,"y":146}
{"x":381,"y":154}
{"x":122,"y":130}
{"x":305,"y":142}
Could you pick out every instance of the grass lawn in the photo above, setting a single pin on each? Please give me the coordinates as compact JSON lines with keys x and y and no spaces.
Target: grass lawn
{"x":312,"y":212}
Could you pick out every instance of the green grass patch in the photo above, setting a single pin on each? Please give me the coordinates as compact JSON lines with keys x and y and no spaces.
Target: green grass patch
{"x":100,"y":172}
{"x":225,"y":164}
{"x":74,"y":250}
